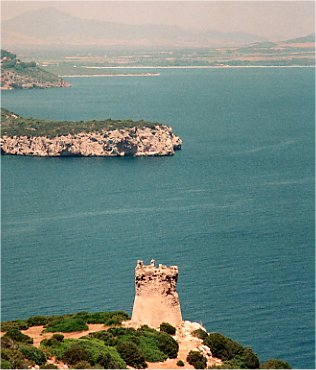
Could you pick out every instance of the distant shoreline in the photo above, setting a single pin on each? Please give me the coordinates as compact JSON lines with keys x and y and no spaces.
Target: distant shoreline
{"x":194,"y":67}
{"x":116,"y":75}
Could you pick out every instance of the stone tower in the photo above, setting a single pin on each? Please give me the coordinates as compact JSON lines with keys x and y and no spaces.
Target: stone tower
{"x":156,"y":298}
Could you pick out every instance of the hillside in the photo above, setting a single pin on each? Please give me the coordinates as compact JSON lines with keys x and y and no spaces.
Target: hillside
{"x":110,"y":340}
{"x":21,"y":75}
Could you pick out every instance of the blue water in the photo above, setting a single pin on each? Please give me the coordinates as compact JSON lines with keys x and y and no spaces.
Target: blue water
{"x":234,"y":209}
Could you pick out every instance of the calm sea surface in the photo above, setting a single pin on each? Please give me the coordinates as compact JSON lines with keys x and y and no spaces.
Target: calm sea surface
{"x":234,"y":209}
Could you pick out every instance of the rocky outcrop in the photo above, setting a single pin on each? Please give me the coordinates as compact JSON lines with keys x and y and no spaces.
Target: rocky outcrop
{"x":11,"y":79}
{"x":156,"y":299}
{"x":136,"y":142}
{"x":16,"y":74}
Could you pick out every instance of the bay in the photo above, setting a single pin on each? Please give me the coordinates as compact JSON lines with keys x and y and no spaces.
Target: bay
{"x":234,"y":209}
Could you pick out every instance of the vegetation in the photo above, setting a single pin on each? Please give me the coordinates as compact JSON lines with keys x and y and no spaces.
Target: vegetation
{"x":116,"y":347}
{"x":131,"y":354}
{"x":18,"y":73}
{"x":17,"y":336}
{"x":180,"y":363}
{"x":34,"y":354}
{"x":275,"y":364}
{"x":200,"y":333}
{"x":66,"y":323}
{"x":197,"y":360}
{"x":167,"y":328}
{"x":14,"y":125}
{"x":231,"y":352}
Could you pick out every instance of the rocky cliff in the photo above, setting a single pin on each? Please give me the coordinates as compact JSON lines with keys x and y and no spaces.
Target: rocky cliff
{"x":30,"y":137}
{"x":156,"y":299}
{"x":16,"y":74}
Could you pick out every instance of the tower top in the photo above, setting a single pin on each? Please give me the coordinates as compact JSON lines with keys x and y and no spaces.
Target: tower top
{"x":156,"y":298}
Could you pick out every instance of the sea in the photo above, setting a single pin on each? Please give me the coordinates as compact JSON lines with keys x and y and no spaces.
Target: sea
{"x":234,"y":209}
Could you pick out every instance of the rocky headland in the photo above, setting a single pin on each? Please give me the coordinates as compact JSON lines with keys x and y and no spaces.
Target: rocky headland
{"x":30,"y":137}
{"x":16,"y":74}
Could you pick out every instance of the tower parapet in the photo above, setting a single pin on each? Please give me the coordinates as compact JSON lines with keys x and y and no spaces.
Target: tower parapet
{"x":156,"y":298}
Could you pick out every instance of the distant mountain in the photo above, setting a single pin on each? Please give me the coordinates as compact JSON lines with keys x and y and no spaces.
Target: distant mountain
{"x":53,"y":27}
{"x":300,"y":40}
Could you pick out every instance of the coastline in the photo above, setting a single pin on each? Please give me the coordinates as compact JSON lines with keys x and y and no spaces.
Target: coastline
{"x":193,"y":67}
{"x":116,"y":75}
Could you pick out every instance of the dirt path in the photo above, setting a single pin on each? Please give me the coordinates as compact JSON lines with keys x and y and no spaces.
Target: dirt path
{"x":36,"y":332}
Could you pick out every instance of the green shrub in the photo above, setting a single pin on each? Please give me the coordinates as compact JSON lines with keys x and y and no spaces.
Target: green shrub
{"x":111,"y":360}
{"x":37,"y":320}
{"x":77,"y":352}
{"x":197,"y":360}
{"x":223,"y":347}
{"x":58,"y":337}
{"x":16,"y":324}
{"x":180,"y":363}
{"x":250,"y":359}
{"x":67,"y":325}
{"x":14,"y":357}
{"x":34,"y":354}
{"x":200,"y":333}
{"x":167,"y":328}
{"x":106,"y":337}
{"x":131,"y":355}
{"x":274,"y":363}
{"x":148,"y":345}
{"x":17,"y":336}
{"x":168,"y":345}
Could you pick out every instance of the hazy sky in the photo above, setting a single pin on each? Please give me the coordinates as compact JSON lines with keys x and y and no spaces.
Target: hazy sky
{"x":273,"y":19}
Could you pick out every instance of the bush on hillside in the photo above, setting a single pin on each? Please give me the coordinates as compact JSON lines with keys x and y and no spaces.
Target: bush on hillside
{"x":196,"y":359}
{"x":34,"y":354}
{"x":148,"y":344}
{"x":110,"y":360}
{"x":76,"y":353}
{"x":200,"y":333}
{"x":167,"y":328}
{"x":37,"y":320}
{"x":131,"y":354}
{"x":15,"y":324}
{"x":14,"y":357}
{"x":180,"y":363}
{"x":223,"y":347}
{"x":106,"y":337}
{"x":17,"y":336}
{"x":168,"y":345}
{"x":67,"y":325}
{"x":274,"y":363}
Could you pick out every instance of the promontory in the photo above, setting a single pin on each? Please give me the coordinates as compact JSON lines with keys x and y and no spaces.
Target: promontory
{"x":106,"y":138}
{"x":16,"y":74}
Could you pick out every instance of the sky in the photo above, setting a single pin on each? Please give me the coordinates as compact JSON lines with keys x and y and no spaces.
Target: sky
{"x":271,"y":19}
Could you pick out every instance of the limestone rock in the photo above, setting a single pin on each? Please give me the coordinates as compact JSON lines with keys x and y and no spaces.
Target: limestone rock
{"x":156,"y":299}
{"x":136,"y":142}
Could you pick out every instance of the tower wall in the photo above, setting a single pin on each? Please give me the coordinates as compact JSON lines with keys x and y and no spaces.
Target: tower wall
{"x":156,"y":298}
